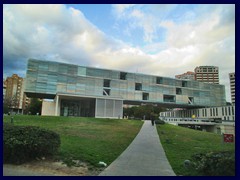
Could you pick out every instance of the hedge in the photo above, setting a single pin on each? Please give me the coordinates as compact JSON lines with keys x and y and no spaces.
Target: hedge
{"x":215,"y":163}
{"x":24,"y":143}
{"x":159,"y":122}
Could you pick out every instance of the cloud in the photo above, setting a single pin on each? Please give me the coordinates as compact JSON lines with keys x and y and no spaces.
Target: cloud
{"x":119,"y":9}
{"x":135,"y":18}
{"x":64,"y":34}
{"x":143,"y":17}
{"x":209,"y":42}
{"x":58,"y":33}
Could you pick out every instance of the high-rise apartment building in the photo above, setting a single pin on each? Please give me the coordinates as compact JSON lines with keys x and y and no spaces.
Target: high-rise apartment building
{"x":188,"y":75}
{"x":26,"y":101}
{"x":14,"y":94}
{"x":4,"y":89}
{"x":232,"y":86}
{"x":207,"y":74}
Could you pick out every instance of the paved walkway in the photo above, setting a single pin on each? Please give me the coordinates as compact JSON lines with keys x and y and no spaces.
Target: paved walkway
{"x":143,"y":157}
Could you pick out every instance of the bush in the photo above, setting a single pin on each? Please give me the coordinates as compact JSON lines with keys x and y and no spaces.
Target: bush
{"x":155,"y":117}
{"x":215,"y":163}
{"x":24,"y":143}
{"x":159,"y":122}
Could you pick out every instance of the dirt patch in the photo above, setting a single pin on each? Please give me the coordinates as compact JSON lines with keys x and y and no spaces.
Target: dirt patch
{"x":56,"y":168}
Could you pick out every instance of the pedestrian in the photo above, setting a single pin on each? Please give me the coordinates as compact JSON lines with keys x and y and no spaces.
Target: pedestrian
{"x":152,"y":120}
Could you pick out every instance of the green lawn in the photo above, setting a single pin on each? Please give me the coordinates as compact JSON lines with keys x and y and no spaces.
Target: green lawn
{"x":87,"y":139}
{"x":93,"y":140}
{"x":181,"y":143}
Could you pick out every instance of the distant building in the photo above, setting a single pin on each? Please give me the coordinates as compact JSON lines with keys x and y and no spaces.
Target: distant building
{"x":219,"y":119}
{"x":223,"y":113}
{"x":4,"y":89}
{"x":14,"y":94}
{"x":188,"y":75}
{"x":26,"y":100}
{"x":232,"y":86}
{"x":207,"y":74}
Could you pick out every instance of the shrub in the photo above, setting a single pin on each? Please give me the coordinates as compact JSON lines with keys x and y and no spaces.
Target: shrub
{"x":159,"y":122}
{"x":156,"y":117}
{"x":215,"y":163}
{"x":24,"y":143}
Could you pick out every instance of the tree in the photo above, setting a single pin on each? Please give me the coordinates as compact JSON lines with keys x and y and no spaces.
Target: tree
{"x":128,"y":112}
{"x":141,"y":111}
{"x":5,"y":108}
{"x":9,"y":104}
{"x":34,"y":107}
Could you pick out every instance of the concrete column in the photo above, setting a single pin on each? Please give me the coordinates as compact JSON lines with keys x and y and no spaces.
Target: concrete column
{"x":113,"y":110}
{"x":56,"y":106}
{"x":96,"y":107}
{"x":105,"y":107}
{"x":122,"y":111}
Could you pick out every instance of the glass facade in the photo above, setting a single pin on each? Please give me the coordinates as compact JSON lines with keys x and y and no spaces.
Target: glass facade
{"x":83,"y":108}
{"x":47,"y":78}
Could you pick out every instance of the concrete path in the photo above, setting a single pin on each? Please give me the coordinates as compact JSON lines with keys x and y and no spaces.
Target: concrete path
{"x":143,"y":157}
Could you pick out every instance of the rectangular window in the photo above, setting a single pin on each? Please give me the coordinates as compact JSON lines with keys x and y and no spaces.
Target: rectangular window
{"x":159,"y":80}
{"x":106,"y":83}
{"x":81,"y":71}
{"x":190,"y":100}
{"x":225,"y":111}
{"x":203,"y":112}
{"x":106,"y":92}
{"x":206,"y":112}
{"x":178,"y":91}
{"x":210,"y":112}
{"x":229,"y":111}
{"x":138,"y":86}
{"x":222,"y":111}
{"x":123,"y":75}
{"x":145,"y":96}
{"x":216,"y":111}
{"x":169,"y":98}
{"x":184,"y":83}
{"x":232,"y":110}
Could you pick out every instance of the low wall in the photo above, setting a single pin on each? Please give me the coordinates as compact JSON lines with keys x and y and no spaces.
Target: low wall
{"x":48,"y":108}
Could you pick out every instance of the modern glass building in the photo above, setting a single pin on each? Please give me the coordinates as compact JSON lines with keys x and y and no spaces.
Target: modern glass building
{"x":94,"y":92}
